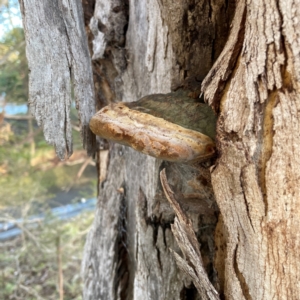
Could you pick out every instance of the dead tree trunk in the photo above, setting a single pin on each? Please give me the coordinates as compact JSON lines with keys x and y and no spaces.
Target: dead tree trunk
{"x":253,"y":87}
{"x":142,"y":48}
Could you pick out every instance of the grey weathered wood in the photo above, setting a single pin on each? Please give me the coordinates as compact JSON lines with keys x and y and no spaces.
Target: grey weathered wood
{"x":192,"y":264}
{"x":162,"y":51}
{"x":59,"y":64}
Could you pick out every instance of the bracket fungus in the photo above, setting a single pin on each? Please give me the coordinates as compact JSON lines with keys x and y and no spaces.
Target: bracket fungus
{"x":172,"y":127}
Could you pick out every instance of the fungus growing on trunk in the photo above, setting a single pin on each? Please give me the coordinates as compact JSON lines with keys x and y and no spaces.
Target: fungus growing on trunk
{"x":172,"y":127}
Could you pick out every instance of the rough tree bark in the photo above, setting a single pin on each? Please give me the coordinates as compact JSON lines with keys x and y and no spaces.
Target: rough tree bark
{"x":59,"y":65}
{"x":141,"y":48}
{"x":247,"y":53}
{"x":255,"y":85}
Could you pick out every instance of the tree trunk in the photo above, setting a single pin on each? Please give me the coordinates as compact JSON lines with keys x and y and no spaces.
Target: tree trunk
{"x":255,"y":177}
{"x":253,"y":87}
{"x":142,"y":48}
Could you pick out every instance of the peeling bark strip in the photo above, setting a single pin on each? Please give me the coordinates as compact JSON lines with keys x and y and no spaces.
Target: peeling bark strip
{"x":256,"y":178}
{"x":184,"y":234}
{"x":59,"y":62}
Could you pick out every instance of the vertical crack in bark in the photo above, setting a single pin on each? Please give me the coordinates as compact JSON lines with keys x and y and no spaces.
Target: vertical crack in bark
{"x":243,"y":183}
{"x":108,"y":68}
{"x":267,"y":143}
{"x":214,"y":83}
{"x":122,"y":261}
{"x":158,"y":258}
{"x":155,"y":226}
{"x":88,"y":10}
{"x":243,"y":283}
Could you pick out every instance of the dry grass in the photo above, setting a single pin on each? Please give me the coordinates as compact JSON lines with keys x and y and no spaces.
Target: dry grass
{"x":33,"y":265}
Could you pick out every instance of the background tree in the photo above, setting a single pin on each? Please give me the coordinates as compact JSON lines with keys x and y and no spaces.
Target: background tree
{"x":247,"y":52}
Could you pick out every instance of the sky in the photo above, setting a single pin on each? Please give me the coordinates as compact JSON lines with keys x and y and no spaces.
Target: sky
{"x":10,"y":16}
{"x":14,"y":109}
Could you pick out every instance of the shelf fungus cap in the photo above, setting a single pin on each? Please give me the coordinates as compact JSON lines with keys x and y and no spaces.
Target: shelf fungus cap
{"x":151,"y":135}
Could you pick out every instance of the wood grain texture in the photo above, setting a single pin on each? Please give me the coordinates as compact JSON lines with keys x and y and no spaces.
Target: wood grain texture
{"x":159,"y":56}
{"x":255,"y":178}
{"x":192,"y":263}
{"x":59,"y":64}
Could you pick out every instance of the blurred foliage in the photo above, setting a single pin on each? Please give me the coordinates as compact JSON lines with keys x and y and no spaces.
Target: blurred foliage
{"x":29,"y":264}
{"x":13,"y":67}
{"x":27,"y":176}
